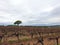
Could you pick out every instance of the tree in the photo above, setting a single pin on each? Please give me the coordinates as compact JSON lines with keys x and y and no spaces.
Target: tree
{"x":18,"y":22}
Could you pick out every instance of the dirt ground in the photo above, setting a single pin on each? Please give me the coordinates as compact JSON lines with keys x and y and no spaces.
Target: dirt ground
{"x":32,"y":42}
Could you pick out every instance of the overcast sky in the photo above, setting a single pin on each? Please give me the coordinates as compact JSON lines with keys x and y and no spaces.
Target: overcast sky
{"x":30,"y":12}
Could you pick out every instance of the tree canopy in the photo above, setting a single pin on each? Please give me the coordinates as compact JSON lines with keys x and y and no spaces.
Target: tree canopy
{"x":18,"y":22}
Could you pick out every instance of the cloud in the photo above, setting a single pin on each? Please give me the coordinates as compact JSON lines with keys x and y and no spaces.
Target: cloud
{"x":55,"y":15}
{"x":30,"y":11}
{"x":51,"y":17}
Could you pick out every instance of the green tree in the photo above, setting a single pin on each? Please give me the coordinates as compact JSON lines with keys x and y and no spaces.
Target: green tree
{"x":17,"y":22}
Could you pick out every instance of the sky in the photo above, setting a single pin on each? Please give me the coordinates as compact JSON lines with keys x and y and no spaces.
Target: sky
{"x":30,"y":12}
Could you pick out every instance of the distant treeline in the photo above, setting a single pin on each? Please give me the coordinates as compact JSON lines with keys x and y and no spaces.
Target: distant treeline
{"x":34,"y":26}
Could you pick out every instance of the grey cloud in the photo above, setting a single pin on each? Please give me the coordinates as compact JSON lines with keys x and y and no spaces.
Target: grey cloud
{"x":30,"y":12}
{"x":56,"y":11}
